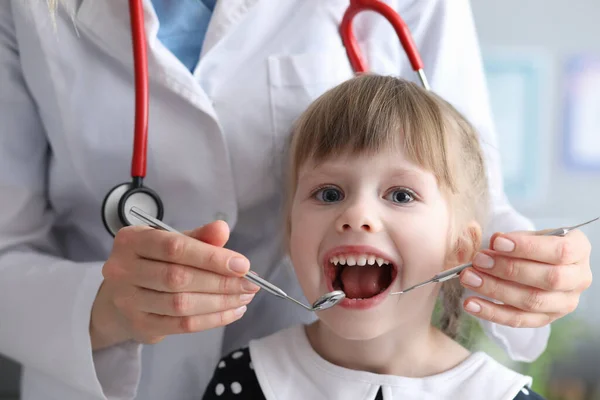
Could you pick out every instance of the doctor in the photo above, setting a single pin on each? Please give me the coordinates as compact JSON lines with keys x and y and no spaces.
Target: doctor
{"x":77,"y":307}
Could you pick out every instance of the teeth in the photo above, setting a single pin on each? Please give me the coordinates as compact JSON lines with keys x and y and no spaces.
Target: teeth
{"x":361,"y":259}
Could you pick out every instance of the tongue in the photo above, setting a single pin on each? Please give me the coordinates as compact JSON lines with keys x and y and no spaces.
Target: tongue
{"x":362,"y":282}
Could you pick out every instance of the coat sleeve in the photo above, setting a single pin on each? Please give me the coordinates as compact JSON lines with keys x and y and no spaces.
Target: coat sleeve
{"x":45,"y":300}
{"x":444,"y":31}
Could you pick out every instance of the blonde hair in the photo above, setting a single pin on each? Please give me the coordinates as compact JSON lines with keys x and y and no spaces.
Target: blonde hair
{"x":370,"y":113}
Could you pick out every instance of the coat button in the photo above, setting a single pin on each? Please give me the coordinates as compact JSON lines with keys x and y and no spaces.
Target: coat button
{"x":221,"y":216}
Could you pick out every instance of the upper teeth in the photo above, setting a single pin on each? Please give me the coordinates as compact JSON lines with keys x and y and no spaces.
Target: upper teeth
{"x":358,"y":259}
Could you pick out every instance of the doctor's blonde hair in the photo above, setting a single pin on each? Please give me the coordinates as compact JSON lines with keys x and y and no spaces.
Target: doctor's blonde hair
{"x":370,"y":113}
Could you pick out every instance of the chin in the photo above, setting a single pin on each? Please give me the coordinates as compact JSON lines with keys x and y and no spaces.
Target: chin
{"x":358,"y":327}
{"x":391,"y":315}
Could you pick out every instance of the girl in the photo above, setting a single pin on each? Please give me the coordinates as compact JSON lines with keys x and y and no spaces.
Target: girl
{"x":387,"y":188}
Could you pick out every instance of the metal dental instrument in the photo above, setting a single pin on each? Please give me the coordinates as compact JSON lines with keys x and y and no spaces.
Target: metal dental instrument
{"x":324,"y":302}
{"x":455,"y":272}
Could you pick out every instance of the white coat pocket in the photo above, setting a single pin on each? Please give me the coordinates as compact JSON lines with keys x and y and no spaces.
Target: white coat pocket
{"x":295,"y":80}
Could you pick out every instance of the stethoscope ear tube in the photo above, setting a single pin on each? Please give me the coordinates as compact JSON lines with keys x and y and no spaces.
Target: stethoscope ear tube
{"x":359,"y":65}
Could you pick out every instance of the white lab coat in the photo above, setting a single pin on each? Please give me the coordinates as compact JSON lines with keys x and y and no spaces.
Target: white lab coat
{"x":215,"y":141}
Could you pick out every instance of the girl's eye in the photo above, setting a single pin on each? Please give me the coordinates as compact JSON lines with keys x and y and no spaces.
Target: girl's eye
{"x":329,"y":195}
{"x":401,"y":196}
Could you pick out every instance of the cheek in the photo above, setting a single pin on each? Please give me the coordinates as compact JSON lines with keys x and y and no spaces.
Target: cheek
{"x":308,"y":229}
{"x":423,"y":242}
{"x":299,"y":246}
{"x":299,"y":237}
{"x":305,"y":239}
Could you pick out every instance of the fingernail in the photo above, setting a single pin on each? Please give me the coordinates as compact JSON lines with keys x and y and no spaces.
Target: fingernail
{"x":483,"y":260}
{"x":472,"y":307}
{"x":238,"y":312}
{"x":245,"y":298}
{"x":249,"y":286}
{"x":471,"y":279}
{"x":504,"y":245}
{"x":239,"y":265}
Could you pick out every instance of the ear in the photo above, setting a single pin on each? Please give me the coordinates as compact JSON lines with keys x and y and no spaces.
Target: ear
{"x":467,"y":243}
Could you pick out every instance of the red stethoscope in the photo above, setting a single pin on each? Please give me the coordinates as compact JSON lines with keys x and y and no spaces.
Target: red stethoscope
{"x":121,"y":198}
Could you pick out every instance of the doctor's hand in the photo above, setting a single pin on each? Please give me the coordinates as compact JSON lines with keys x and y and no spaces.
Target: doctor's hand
{"x":539,"y":279}
{"x":159,"y":283}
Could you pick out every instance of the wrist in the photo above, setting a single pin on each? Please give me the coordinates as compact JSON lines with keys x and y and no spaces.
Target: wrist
{"x":104,"y":329}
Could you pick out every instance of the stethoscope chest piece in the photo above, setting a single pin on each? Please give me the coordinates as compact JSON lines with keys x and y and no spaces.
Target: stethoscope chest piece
{"x":118,"y":202}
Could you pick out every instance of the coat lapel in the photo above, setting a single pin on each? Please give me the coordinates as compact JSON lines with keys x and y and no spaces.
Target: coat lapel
{"x":107,"y":24}
{"x":226,"y":15}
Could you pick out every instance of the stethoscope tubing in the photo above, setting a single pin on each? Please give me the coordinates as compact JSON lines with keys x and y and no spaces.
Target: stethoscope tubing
{"x":358,"y":63}
{"x":114,"y":214}
{"x":140,"y":64}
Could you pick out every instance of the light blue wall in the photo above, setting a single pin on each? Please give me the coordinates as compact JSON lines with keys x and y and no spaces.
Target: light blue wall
{"x":558,"y":29}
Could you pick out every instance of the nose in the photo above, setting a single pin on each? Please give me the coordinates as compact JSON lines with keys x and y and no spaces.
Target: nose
{"x":359,"y":216}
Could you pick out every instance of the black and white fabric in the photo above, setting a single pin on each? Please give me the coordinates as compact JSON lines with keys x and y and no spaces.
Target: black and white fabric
{"x":285,"y":367}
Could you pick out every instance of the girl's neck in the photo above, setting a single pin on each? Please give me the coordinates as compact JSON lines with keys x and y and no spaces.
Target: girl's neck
{"x":411,"y":352}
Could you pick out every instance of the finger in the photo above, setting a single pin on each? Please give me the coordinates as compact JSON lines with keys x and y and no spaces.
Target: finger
{"x":166,"y":277}
{"x":215,"y":233}
{"x":506,"y":315}
{"x":493,"y":237}
{"x":153,"y":325}
{"x":123,"y":243}
{"x":175,"y":248}
{"x":530,"y":273}
{"x":546,"y":249}
{"x":185,"y":303}
{"x":521,"y":297}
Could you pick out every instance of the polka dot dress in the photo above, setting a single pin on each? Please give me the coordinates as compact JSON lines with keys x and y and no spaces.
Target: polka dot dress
{"x":528,"y":394}
{"x":235,"y":379}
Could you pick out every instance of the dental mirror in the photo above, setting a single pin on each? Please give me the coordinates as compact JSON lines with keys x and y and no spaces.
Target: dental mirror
{"x":324,"y":302}
{"x":328,"y":300}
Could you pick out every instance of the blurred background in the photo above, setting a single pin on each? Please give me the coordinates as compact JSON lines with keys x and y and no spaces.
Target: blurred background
{"x":546,"y":55}
{"x":542,"y":60}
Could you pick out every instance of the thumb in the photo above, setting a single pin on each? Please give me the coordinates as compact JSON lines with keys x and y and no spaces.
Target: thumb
{"x":216,"y":233}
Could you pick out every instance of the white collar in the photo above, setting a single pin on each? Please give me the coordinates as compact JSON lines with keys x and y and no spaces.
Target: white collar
{"x":288,"y":368}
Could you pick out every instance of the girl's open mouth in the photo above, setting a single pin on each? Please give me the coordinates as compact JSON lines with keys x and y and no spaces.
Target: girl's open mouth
{"x":364,"y":276}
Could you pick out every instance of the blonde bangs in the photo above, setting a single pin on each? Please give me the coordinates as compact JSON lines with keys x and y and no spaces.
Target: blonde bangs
{"x":370,"y":114}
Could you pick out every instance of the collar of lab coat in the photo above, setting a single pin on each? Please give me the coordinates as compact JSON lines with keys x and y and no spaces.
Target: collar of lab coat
{"x":107,"y":24}
{"x":109,"y":21}
{"x":288,"y":368}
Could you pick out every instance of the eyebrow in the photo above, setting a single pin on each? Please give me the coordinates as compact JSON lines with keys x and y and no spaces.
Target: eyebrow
{"x":403,"y":173}
{"x":333,"y":169}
